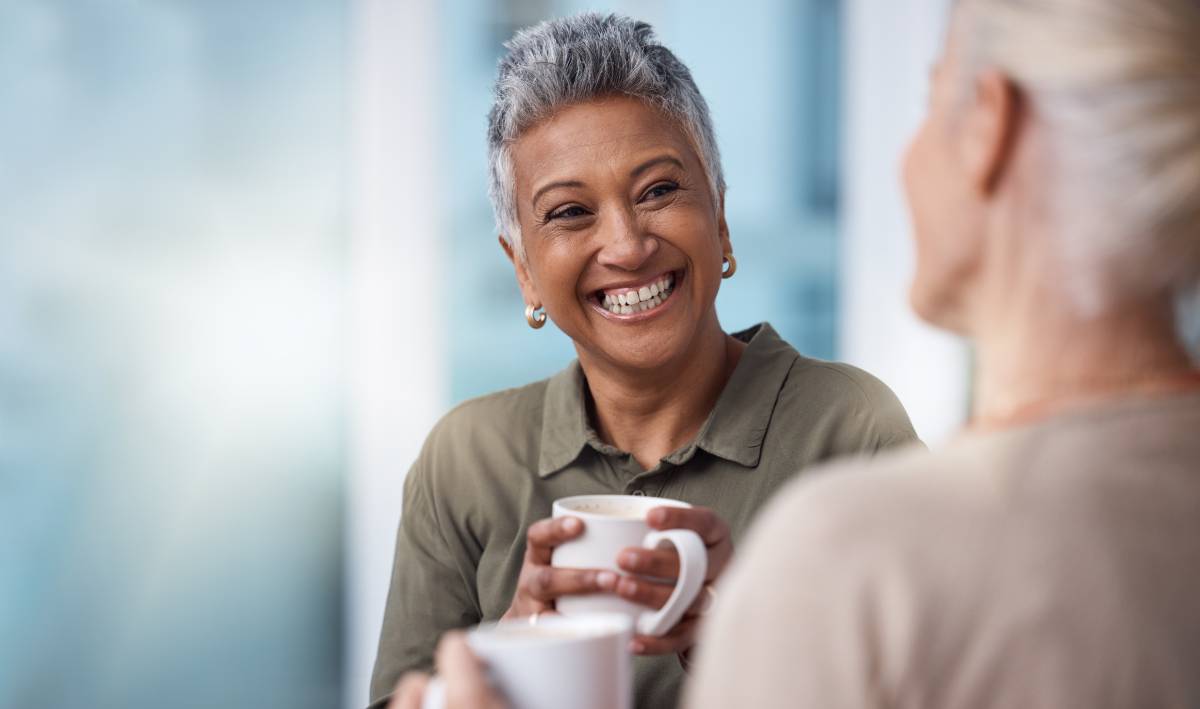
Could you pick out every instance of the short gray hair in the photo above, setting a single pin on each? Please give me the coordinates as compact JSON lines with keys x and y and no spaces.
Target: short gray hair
{"x":581,"y":58}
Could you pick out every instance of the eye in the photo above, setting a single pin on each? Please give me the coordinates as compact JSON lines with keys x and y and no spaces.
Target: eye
{"x":662,"y":189}
{"x":568,"y":212}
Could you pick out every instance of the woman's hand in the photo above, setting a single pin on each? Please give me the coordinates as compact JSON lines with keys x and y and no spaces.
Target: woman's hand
{"x":664,"y":564}
{"x":539,"y":583}
{"x":466,"y":684}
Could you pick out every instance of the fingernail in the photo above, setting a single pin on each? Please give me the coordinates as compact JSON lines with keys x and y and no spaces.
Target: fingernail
{"x":627,"y":587}
{"x":628,"y":559}
{"x":571,"y":525}
{"x":636,"y":647}
{"x":606,"y":580}
{"x":656,"y":516}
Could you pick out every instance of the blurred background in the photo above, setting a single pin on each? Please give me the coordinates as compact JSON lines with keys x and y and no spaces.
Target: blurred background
{"x":247,"y":260}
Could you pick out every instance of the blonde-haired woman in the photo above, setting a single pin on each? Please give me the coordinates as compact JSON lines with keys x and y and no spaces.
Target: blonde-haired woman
{"x":1050,"y":556}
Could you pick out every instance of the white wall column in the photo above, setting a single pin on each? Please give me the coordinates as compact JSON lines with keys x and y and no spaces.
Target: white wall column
{"x":396,"y":363}
{"x":890,"y":47}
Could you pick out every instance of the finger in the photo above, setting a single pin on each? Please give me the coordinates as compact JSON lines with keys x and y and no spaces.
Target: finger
{"x":546,"y":583}
{"x":546,"y":534}
{"x":659,"y":563}
{"x":701,"y":520}
{"x":410,"y":691}
{"x":647,"y":593}
{"x":705,"y":522}
{"x":524,"y":606}
{"x":702,"y":604}
{"x":681,"y":637}
{"x":466,"y":683}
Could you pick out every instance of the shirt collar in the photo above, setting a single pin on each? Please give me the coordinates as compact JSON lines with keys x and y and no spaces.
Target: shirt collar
{"x":738,"y":423}
{"x":564,"y":421}
{"x":734,"y":430}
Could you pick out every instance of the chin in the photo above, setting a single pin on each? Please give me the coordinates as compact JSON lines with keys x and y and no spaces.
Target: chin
{"x":650,"y":350}
{"x":936,"y":308}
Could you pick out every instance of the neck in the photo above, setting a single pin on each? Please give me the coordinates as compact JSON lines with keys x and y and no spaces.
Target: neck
{"x":653,"y":412}
{"x":1039,"y":360}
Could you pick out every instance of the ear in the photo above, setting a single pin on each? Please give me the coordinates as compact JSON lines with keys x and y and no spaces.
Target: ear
{"x":524,"y":281}
{"x":990,"y":129}
{"x":723,"y":227}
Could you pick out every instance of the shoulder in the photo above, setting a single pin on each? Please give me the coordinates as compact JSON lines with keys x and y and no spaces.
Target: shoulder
{"x":498,"y":428}
{"x":860,"y":412}
{"x":847,"y":501}
{"x":843,"y":383}
{"x":862,"y":515}
{"x":817,"y":580}
{"x":501,"y":412}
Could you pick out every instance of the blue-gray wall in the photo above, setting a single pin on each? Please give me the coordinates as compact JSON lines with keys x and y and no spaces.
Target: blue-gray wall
{"x":171,"y":251}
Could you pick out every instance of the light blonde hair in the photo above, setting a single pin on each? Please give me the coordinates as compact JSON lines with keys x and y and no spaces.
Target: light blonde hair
{"x":1117,"y":84}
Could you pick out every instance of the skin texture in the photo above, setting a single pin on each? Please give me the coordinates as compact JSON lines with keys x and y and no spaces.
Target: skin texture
{"x":979,"y":175}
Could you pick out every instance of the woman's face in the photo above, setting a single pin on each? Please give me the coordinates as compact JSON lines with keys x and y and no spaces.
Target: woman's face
{"x":944,"y":204}
{"x":622,"y":237}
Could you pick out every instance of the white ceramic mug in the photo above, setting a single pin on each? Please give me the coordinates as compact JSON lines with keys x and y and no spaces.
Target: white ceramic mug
{"x":612,"y":523}
{"x":582,"y":662}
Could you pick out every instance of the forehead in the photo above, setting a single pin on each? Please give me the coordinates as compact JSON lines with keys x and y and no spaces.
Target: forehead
{"x":597,"y":135}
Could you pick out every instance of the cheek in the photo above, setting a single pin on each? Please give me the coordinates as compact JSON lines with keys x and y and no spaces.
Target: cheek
{"x":932,"y":208}
{"x":918,"y":183}
{"x":555,"y":271}
{"x":919,"y":193}
{"x":947,"y":239}
{"x":697,"y":235}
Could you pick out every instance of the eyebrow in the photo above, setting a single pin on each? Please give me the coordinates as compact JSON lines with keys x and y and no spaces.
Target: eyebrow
{"x":661,"y":159}
{"x":669,"y":159}
{"x":554,"y":185}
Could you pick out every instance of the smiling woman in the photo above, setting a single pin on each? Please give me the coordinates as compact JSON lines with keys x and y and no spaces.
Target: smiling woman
{"x":620,"y":210}
{"x":608,"y":192}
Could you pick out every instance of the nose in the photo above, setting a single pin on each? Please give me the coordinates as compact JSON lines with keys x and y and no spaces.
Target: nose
{"x":624,"y":243}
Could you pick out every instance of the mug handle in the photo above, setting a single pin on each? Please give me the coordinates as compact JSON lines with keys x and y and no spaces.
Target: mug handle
{"x":693,"y":566}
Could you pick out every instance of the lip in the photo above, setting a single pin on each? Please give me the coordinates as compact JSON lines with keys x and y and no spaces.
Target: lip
{"x":631,"y":285}
{"x":641,"y":316}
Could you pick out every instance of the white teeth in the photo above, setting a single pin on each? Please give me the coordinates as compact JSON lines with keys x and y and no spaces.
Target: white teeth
{"x":647,"y":297}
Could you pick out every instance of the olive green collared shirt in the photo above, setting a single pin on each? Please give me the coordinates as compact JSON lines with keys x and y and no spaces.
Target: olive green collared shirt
{"x":493,"y":466}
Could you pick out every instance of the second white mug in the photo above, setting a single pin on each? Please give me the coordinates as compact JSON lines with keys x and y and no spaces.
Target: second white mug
{"x":581,"y":662}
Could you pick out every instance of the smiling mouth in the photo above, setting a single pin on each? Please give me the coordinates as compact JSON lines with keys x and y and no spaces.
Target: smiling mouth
{"x":637,"y":299}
